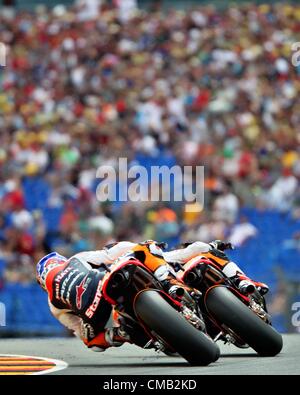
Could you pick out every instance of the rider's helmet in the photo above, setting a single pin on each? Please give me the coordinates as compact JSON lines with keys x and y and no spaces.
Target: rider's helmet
{"x":47,"y":263}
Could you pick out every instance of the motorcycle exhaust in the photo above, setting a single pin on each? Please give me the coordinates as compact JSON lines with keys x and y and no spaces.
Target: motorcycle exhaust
{"x":176,"y":291}
{"x":246,"y":287}
{"x":191,"y":277}
{"x":180,"y":293}
{"x":118,"y":279}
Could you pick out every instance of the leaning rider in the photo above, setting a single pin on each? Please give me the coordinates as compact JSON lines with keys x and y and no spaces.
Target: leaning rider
{"x":74,"y":289}
{"x":215,"y":252}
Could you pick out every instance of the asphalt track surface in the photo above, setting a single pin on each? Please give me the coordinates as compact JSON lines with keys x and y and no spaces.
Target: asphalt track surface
{"x":130,"y":359}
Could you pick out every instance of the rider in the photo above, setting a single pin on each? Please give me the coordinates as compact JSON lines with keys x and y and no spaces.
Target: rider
{"x":215,"y":252}
{"x":74,"y":289}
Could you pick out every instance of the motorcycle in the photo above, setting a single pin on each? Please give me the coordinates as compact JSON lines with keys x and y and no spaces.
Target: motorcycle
{"x":229,"y":315}
{"x":152,"y":317}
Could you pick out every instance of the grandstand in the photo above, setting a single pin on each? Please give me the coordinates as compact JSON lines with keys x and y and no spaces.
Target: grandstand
{"x":78,"y":92}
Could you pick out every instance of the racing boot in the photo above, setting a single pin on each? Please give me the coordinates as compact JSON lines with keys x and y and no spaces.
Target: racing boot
{"x":110,"y":337}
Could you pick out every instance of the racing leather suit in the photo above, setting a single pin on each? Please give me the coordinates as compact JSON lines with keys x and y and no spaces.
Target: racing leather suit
{"x":214,"y":253}
{"x":198,"y":248}
{"x":74,"y":289}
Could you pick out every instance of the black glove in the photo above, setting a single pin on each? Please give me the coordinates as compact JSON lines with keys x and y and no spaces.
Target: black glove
{"x":221,"y":245}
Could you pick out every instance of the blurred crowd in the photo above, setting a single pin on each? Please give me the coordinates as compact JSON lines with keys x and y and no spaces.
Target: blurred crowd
{"x":86,"y":85}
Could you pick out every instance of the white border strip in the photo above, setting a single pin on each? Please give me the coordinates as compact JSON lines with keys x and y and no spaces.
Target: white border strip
{"x":60,"y":365}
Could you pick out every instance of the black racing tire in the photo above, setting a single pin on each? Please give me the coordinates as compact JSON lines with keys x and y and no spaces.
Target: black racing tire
{"x":160,"y":317}
{"x":171,"y":353}
{"x":227,"y":309}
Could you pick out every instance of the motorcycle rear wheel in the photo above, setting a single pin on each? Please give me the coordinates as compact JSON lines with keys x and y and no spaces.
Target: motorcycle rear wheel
{"x":227,"y":309}
{"x":173,"y":329}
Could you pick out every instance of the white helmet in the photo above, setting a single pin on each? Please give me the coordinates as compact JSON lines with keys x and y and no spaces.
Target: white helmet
{"x":47,"y":263}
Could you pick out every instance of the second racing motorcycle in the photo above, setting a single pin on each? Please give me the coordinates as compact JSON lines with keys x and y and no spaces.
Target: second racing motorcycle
{"x":229,"y":315}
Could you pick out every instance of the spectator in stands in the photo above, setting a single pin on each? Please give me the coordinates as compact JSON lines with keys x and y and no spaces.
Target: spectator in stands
{"x":226,"y":206}
{"x":282,"y":193}
{"x":242,"y":232}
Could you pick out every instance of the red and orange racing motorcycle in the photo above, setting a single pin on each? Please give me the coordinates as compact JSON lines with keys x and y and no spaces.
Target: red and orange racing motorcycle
{"x":229,"y":315}
{"x":152,"y":317}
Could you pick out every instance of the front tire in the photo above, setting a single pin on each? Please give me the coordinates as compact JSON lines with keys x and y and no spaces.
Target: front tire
{"x":229,"y":310}
{"x":171,"y":327}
